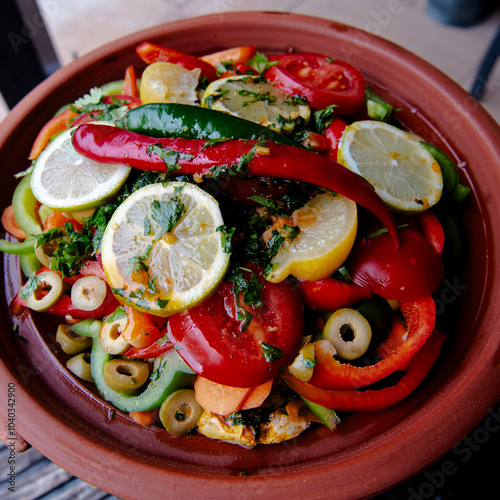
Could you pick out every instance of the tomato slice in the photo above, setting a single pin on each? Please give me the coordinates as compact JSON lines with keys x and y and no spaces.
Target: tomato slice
{"x":321,"y":80}
{"x":210,"y":339}
{"x":412,"y":272}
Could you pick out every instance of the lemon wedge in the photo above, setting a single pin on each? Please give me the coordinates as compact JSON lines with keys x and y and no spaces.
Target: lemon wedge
{"x":252,"y":99}
{"x":161,"y":250}
{"x":402,"y":171}
{"x":62,"y":179}
{"x":327,"y":225}
{"x":168,"y":82}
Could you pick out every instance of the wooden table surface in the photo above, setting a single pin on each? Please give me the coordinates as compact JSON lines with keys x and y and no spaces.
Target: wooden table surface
{"x":78,"y":27}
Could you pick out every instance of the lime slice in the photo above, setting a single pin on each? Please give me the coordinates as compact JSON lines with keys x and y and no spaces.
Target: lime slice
{"x":161,"y":250}
{"x":327,"y":225}
{"x":402,"y":171}
{"x":257,"y":101}
{"x":62,"y":179}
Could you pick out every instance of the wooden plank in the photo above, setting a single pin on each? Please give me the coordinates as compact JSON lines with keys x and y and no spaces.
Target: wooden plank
{"x":40,"y":479}
{"x":23,"y":461}
{"x":76,"y":489}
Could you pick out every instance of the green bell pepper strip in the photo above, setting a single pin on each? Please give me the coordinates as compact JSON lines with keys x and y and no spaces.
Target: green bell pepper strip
{"x":172,"y":375}
{"x":29,"y":263}
{"x":453,"y":189}
{"x":25,"y":247}
{"x":24,"y":204}
{"x":106,"y":144}
{"x":376,"y":107}
{"x":195,"y":122}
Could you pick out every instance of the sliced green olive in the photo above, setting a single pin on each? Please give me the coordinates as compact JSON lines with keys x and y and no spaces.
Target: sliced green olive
{"x":180,"y":412}
{"x":44,"y":252}
{"x":303,"y":365}
{"x":349,"y":332}
{"x":71,"y":342}
{"x":80,"y":366}
{"x":111,"y":338}
{"x":88,"y":293}
{"x":47,"y":293}
{"x":125,"y":376}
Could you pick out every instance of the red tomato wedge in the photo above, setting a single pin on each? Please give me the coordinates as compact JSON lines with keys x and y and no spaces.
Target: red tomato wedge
{"x":321,"y":80}
{"x":412,"y":272}
{"x":210,"y":339}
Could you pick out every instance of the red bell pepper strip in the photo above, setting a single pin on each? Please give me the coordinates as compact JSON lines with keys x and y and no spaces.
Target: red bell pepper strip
{"x":374,"y":400}
{"x":141,"y":330}
{"x":152,"y":351}
{"x":151,"y":53}
{"x":130,"y":82}
{"x":333,"y":134}
{"x":107,"y":144}
{"x":66,"y":308}
{"x":55,"y":125}
{"x":329,"y":373}
{"x":432,"y":230}
{"x":329,"y":294}
{"x":234,"y":54}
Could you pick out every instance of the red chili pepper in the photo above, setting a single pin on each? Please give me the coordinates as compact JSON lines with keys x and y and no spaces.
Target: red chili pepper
{"x":329,"y":294}
{"x":329,"y":373}
{"x":151,"y":53}
{"x":108,"y":144}
{"x":374,"y":400}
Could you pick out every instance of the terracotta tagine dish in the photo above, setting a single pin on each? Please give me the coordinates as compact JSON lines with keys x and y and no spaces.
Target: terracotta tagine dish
{"x":368,"y":452}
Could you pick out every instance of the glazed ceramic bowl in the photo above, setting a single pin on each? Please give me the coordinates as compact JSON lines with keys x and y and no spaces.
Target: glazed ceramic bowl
{"x":368,"y":453}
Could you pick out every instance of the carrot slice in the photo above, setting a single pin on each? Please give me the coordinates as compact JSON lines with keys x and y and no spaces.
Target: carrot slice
{"x":55,"y":125}
{"x":144,"y":417}
{"x":257,"y":396}
{"x":235,"y":54}
{"x":130,"y":83}
{"x":10,"y":224}
{"x":218,"y":398}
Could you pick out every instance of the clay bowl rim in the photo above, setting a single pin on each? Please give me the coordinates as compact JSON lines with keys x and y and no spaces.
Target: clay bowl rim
{"x":72,"y":450}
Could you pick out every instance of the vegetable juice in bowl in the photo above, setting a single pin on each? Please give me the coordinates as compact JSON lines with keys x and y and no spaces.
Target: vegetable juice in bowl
{"x":265,"y":215}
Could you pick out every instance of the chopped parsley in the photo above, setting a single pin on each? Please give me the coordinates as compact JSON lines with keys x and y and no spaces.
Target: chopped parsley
{"x":169,"y":156}
{"x":101,"y":107}
{"x":323,"y":117}
{"x":256,"y":97}
{"x":260,"y":63}
{"x":227,"y":236}
{"x":219,"y":95}
{"x":271,"y":352}
{"x":167,"y":215}
{"x":30,"y":287}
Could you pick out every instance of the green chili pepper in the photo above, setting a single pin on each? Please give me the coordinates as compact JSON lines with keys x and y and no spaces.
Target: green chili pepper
{"x":376,"y":107}
{"x":195,"y":122}
{"x":25,"y":247}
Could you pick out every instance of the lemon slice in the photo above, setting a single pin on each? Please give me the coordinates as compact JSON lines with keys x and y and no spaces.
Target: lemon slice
{"x":168,"y":82}
{"x":402,"y":171}
{"x":161,"y":250}
{"x":63,"y":179}
{"x":257,"y":101}
{"x":327,"y":226}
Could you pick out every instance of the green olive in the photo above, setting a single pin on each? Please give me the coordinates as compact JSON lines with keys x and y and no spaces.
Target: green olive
{"x":126,"y":376}
{"x":71,"y":342}
{"x":180,"y":412}
{"x":48,"y":291}
{"x":88,"y":293}
{"x":111,"y":338}
{"x":349,"y":332}
{"x":80,"y":366}
{"x":303,"y":365}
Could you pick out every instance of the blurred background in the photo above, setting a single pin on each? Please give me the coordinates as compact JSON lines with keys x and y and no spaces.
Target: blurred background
{"x":460,"y":37}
